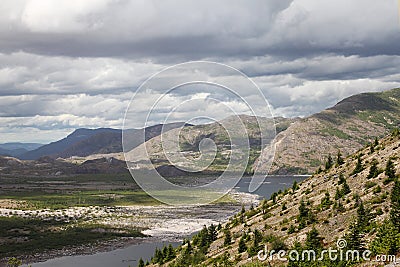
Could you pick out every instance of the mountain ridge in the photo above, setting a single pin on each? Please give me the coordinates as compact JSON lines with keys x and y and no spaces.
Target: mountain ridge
{"x":345,"y":127}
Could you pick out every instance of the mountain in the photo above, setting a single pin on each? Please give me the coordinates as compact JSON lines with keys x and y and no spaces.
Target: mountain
{"x":84,"y":142}
{"x":345,"y":127}
{"x":17,"y":145}
{"x":17,"y":149}
{"x":191,"y":138}
{"x":356,"y":202}
{"x":54,"y":149}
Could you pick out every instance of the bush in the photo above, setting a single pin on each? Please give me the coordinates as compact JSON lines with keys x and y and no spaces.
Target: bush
{"x":369,"y":184}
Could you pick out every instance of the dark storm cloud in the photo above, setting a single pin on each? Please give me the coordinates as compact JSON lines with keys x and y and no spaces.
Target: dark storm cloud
{"x":137,"y":28}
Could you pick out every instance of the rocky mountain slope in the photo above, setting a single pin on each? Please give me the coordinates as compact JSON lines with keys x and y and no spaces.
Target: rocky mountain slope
{"x":227,"y":143}
{"x":356,"y":201}
{"x":347,"y":126}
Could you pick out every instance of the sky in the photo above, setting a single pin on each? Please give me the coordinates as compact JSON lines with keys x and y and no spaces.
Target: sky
{"x":72,"y":64}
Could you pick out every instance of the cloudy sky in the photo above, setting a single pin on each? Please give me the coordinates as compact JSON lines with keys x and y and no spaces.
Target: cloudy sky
{"x":70,"y":64}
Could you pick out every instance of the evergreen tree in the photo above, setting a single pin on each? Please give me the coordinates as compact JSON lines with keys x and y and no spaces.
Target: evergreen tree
{"x":371,"y":148}
{"x":189,"y":248}
{"x":329,"y":162}
{"x":242,"y":244}
{"x":363,"y":217}
{"x":376,"y":142}
{"x":204,"y":240}
{"x":341,"y":178}
{"x":305,"y":216}
{"x":158,"y":256}
{"x":326,"y":201}
{"x":264,"y":206}
{"x":295,"y":186}
{"x":395,"y":132}
{"x":228,"y":237}
{"x":359,"y":167}
{"x":387,"y":241}
{"x":273,"y":197}
{"x":354,"y":238}
{"x":243,"y":210}
{"x":141,"y":263}
{"x":373,"y":170}
{"x":395,"y":205}
{"x":319,"y":170}
{"x":257,"y":236}
{"x":345,"y":189}
{"x":170,"y":253}
{"x":212,"y":233}
{"x":313,"y":240}
{"x":390,"y":171}
{"x":339,"y":158}
{"x":338,"y":193}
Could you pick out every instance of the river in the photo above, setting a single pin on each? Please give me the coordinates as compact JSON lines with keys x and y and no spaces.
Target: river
{"x":129,"y":256}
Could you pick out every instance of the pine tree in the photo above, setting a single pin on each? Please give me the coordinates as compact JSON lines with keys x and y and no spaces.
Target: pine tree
{"x":170,"y":253}
{"x":264,"y":206}
{"x":295,"y":186}
{"x":339,"y":158}
{"x":305,"y":216}
{"x":158,"y":256}
{"x":257,"y":236}
{"x":329,"y":162}
{"x":313,"y":240}
{"x":387,"y":241}
{"x":228,"y":237}
{"x":395,"y":132}
{"x":363,"y":217}
{"x":141,"y":263}
{"x":338,"y":193}
{"x":371,"y":148}
{"x":273,"y":197}
{"x":204,"y":240}
{"x":390,"y":171}
{"x":395,"y":205}
{"x":373,"y":170}
{"x":212,"y":233}
{"x":326,"y":201}
{"x":319,"y":170}
{"x":345,"y":189}
{"x":189,"y":248}
{"x":341,"y":178}
{"x":354,"y":238}
{"x":242,"y":244}
{"x":376,"y":142}
{"x":359,"y":167}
